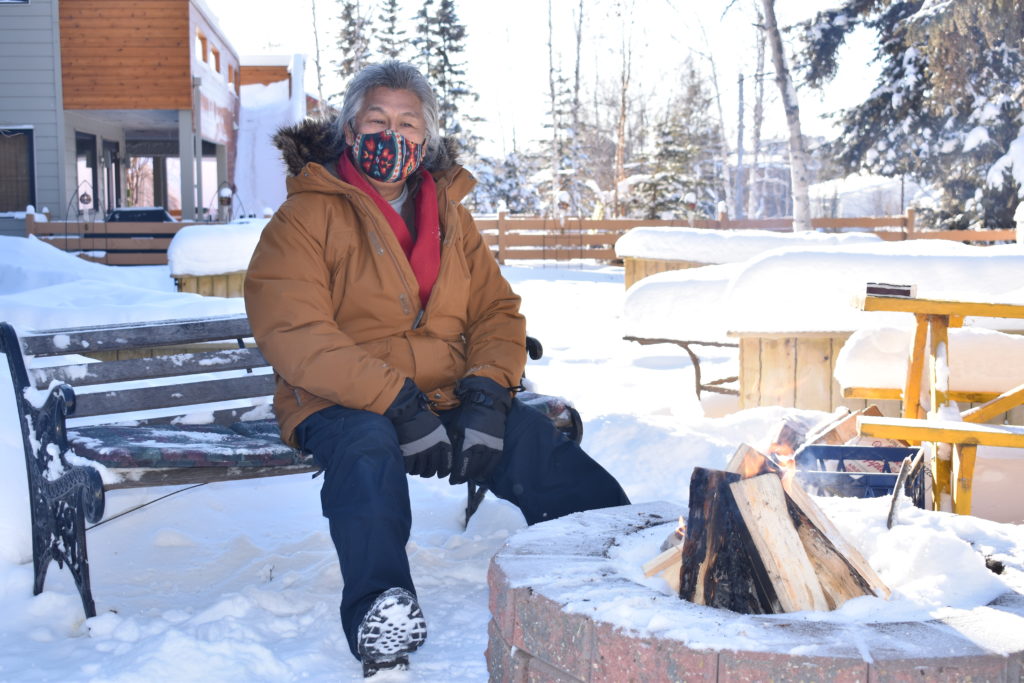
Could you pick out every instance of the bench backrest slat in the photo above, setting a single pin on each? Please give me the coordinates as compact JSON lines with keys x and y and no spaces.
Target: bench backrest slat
{"x":87,"y":374}
{"x":134,"y":336}
{"x":172,"y":396}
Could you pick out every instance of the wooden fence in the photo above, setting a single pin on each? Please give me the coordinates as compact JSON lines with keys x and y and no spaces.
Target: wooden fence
{"x":114,"y":244}
{"x":510,"y":237}
{"x":519,"y":237}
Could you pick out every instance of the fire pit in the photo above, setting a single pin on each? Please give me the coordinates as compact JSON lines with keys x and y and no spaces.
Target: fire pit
{"x":563,"y":609}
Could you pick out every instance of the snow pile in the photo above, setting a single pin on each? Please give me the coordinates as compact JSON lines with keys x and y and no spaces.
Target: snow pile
{"x":213,"y":249}
{"x":980,"y":359}
{"x":239,"y":580}
{"x":259,"y":171}
{"x":700,"y":245}
{"x":42,"y":287}
{"x":685,"y":305}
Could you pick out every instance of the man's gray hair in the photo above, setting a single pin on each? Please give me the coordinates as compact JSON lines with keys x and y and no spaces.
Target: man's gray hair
{"x":396,"y":76}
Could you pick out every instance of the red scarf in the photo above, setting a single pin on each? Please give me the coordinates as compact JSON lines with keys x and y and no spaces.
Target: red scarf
{"x":425,"y":254}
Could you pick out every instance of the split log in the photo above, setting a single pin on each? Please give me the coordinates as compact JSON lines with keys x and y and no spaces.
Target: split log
{"x":759,"y":545}
{"x":720,"y":564}
{"x":747,"y":461}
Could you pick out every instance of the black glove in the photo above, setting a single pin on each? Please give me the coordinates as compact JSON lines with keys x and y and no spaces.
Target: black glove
{"x":481,"y":424}
{"x":422,"y":437}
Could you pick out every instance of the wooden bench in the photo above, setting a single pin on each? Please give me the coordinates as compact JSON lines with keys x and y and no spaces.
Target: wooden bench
{"x":207,"y":392}
{"x":955,"y":434}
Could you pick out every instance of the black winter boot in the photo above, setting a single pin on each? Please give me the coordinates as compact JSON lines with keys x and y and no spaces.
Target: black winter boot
{"x":393,"y":628}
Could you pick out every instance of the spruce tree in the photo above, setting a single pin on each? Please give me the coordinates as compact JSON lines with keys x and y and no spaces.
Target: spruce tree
{"x":682,"y":181}
{"x":942,"y":111}
{"x":353,"y":40}
{"x":390,"y":39}
{"x":439,"y":44}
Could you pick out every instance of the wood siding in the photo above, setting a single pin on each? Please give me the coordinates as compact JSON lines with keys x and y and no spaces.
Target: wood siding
{"x":31,"y":91}
{"x":264,"y":75}
{"x":124,"y":54}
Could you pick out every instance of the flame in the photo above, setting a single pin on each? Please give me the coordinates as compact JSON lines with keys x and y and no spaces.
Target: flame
{"x":752,"y":465}
{"x":787,"y":471}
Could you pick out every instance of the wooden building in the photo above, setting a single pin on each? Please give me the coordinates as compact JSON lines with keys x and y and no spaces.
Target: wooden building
{"x":90,"y":85}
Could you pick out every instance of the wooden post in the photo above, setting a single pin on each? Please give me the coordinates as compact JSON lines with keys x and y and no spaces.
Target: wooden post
{"x":915,"y":368}
{"x":963,"y":472}
{"x":501,"y":236}
{"x":910,"y":221}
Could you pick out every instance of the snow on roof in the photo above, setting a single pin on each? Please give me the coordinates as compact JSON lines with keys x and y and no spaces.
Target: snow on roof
{"x":702,"y":245}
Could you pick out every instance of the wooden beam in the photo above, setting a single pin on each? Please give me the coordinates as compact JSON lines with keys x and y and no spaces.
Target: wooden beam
{"x":942,"y":431}
{"x":1002,"y":403}
{"x":942,"y":307}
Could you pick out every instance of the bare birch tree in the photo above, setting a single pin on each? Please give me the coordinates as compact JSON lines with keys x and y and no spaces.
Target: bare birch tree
{"x":623,"y":108}
{"x":556,"y":133}
{"x":755,"y":190}
{"x":797,"y":150}
{"x":319,"y":72}
{"x":723,"y":144}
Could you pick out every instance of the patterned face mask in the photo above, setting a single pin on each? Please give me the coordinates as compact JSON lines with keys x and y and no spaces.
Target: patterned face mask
{"x":387,"y":156}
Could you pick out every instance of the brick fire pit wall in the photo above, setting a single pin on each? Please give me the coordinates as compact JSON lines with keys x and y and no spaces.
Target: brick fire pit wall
{"x":562,"y":611}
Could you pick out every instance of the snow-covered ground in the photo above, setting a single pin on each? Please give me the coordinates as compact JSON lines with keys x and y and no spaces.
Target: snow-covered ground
{"x":239,"y":581}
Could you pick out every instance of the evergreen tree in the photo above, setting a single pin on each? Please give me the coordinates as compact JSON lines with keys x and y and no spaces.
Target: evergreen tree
{"x":505,"y":183}
{"x":440,"y":42}
{"x":353,"y":40}
{"x":682,"y":180}
{"x":390,"y":39}
{"x":947,"y":108}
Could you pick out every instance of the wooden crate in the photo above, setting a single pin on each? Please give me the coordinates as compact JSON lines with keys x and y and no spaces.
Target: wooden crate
{"x":637,"y":268}
{"x":228,"y":285}
{"x":796,"y":371}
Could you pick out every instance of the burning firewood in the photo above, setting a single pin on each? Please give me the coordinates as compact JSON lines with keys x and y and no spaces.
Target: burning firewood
{"x":758,"y":544}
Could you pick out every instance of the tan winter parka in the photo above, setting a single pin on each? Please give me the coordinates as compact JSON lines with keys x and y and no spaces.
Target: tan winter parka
{"x":334,"y":304}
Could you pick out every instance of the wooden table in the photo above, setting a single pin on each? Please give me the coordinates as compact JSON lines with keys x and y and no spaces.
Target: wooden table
{"x":955,"y":435}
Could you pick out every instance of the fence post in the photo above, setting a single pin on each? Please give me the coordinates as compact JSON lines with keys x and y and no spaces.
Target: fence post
{"x":501,"y":236}
{"x":1018,"y":217}
{"x":911,"y":219}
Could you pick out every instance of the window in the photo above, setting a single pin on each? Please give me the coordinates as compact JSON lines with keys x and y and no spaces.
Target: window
{"x":17,"y":169}
{"x":200,"y":48}
{"x":215,"y":59}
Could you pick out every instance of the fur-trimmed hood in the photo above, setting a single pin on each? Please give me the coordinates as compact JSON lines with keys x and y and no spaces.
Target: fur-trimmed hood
{"x":319,"y":140}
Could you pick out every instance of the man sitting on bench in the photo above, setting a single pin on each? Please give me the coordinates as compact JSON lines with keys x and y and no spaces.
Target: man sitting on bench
{"x":398,"y":346}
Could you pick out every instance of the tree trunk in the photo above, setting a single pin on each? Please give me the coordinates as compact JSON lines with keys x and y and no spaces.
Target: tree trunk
{"x":797,"y":151}
{"x":738,"y":198}
{"x":620,"y":124}
{"x":319,"y":72}
{"x":755,"y":191}
{"x":723,"y":149}
{"x":555,"y":132}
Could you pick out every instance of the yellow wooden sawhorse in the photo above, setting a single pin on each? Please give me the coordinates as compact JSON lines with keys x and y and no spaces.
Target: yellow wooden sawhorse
{"x":955,"y":435}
